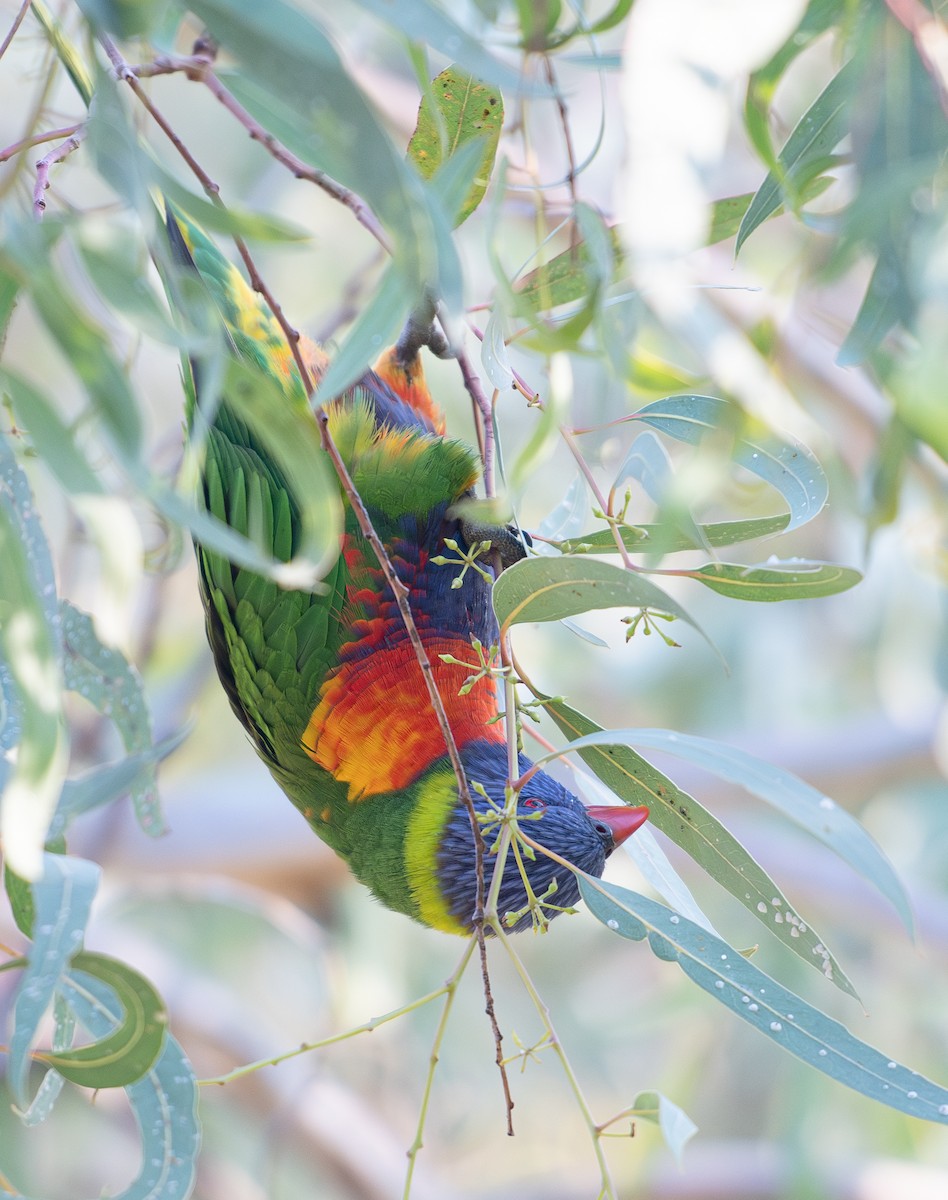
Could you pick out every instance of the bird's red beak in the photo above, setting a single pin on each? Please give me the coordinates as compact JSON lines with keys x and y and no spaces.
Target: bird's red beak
{"x":621,"y":820}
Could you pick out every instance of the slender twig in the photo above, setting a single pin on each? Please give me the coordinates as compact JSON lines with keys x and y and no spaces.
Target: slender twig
{"x":608,"y":1187}
{"x":43,"y":166}
{"x":449,"y":991}
{"x":563,"y":113}
{"x":36,"y":139}
{"x":367,"y":1027}
{"x":17,"y":22}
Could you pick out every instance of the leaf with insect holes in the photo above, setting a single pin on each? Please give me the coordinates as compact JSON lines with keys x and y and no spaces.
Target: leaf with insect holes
{"x":458,"y":110}
{"x":796,"y":1026}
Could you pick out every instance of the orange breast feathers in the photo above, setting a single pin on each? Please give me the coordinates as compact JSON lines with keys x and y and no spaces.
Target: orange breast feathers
{"x":374,"y":727}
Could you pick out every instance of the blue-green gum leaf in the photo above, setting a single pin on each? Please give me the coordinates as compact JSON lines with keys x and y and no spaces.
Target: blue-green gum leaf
{"x":62,"y":898}
{"x":699,"y":834}
{"x":804,"y":805}
{"x":778,"y":1013}
{"x":786,"y":465}
{"x":103,"y":676}
{"x":677,"y":1127}
{"x":164,"y":1103}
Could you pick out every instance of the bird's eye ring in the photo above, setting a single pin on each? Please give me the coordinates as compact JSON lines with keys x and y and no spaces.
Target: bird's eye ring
{"x":533,"y":803}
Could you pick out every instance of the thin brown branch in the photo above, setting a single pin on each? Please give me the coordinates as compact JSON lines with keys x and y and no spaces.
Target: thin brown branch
{"x":36,"y":139}
{"x":198,"y":67}
{"x":563,"y":113}
{"x":17,"y":22}
{"x":44,"y":165}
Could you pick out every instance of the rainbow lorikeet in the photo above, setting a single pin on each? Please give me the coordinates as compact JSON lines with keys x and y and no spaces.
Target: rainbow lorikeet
{"x":327,"y":684}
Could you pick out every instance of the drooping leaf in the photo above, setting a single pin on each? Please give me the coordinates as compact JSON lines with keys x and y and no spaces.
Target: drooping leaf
{"x":786,"y":465}
{"x":761,"y":1001}
{"x":459,"y":109}
{"x":129,"y":1050}
{"x":803,"y":804}
{"x":882,"y":307}
{"x":62,"y":898}
{"x":699,"y":834}
{"x":819,"y":130}
{"x":790,"y":580}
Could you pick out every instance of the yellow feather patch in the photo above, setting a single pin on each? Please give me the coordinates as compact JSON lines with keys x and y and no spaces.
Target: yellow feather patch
{"x":436,"y":796}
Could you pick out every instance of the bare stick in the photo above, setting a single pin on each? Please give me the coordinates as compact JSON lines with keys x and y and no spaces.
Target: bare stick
{"x":36,"y":139}
{"x":17,"y":22}
{"x":62,"y":151}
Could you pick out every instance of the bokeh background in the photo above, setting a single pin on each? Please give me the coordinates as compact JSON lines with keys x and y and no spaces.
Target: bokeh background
{"x":253,"y":931}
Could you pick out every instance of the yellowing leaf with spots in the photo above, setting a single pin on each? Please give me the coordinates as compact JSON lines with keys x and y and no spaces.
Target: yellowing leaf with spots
{"x":458,"y":109}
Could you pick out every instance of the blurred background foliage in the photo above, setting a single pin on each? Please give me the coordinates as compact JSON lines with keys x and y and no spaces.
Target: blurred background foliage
{"x":823,"y":127}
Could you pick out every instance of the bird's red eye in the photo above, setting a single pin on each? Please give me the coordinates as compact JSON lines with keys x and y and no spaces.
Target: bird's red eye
{"x":532,"y":802}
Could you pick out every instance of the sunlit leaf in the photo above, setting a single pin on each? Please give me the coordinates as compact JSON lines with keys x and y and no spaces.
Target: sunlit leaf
{"x":698,"y":832}
{"x":882,"y":307}
{"x":129,"y":1050}
{"x":797,"y":579}
{"x":759,"y":1000}
{"x":62,"y":898}
{"x":786,"y":465}
{"x":467,"y":110}
{"x":726,"y":217}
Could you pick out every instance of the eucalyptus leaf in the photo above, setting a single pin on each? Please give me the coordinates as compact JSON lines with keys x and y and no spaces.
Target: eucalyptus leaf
{"x":642,"y":538}
{"x":62,"y":898}
{"x":797,"y":579}
{"x":786,"y":465}
{"x":548,"y":589}
{"x":677,"y":1127}
{"x":761,"y":1001}
{"x":699,"y":834}
{"x":129,"y":1050}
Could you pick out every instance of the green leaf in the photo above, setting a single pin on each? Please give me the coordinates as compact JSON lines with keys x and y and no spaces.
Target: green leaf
{"x":128,"y":1051}
{"x":164,"y":1103}
{"x":642,"y":538}
{"x":761,"y":1001}
{"x":796,"y":579}
{"x":803,"y":804}
{"x":459,"y":109}
{"x":699,"y":834}
{"x":549,"y":589}
{"x":819,"y":130}
{"x":788,"y":466}
{"x":726,"y":217}
{"x":125,"y":18}
{"x":65,"y":51}
{"x":20,"y":894}
{"x":233,"y":220}
{"x":102,"y":676}
{"x":565,"y":278}
{"x":62,"y":898}
{"x":677,"y":1127}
